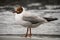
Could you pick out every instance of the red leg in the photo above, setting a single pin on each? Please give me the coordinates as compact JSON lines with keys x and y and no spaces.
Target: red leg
{"x":26,"y":33}
{"x":30,"y":33}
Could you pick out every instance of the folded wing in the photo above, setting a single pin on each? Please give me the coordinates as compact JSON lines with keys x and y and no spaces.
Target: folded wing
{"x":34,"y":19}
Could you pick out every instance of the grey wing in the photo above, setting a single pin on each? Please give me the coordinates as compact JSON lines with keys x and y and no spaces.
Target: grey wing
{"x":33,"y":19}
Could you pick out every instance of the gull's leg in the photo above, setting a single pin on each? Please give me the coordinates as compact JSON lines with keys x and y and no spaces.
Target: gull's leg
{"x":26,"y":33}
{"x":30,"y":33}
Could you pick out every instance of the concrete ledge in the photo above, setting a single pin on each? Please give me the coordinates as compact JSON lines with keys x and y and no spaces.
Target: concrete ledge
{"x":28,"y":38}
{"x":38,"y":35}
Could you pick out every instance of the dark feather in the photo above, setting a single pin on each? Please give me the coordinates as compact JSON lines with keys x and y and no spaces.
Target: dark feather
{"x":50,"y":19}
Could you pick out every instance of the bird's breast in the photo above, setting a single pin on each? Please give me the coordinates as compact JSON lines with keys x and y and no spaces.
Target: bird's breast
{"x":19,"y":19}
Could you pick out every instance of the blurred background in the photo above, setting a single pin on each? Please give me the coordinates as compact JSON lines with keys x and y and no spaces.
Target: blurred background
{"x":47,"y":8}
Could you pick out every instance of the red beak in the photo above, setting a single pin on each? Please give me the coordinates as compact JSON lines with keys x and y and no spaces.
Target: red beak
{"x":14,"y":11}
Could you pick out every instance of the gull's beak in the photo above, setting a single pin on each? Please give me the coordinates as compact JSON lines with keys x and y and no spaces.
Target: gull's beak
{"x":14,"y":11}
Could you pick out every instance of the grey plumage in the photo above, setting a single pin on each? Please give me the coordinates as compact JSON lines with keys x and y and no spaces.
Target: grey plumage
{"x":34,"y":19}
{"x":31,"y":19}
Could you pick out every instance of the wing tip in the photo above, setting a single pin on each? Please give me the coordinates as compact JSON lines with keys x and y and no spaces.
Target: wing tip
{"x":51,"y":19}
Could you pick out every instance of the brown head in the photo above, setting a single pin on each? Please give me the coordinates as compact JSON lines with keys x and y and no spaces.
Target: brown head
{"x":18,"y":10}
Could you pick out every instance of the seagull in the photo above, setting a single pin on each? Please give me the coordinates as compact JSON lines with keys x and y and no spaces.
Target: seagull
{"x":29,"y":20}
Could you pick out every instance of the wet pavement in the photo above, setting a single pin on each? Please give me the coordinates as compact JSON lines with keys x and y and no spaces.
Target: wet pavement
{"x":7,"y":25}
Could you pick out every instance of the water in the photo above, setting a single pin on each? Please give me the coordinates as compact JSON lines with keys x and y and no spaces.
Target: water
{"x":7,"y":25}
